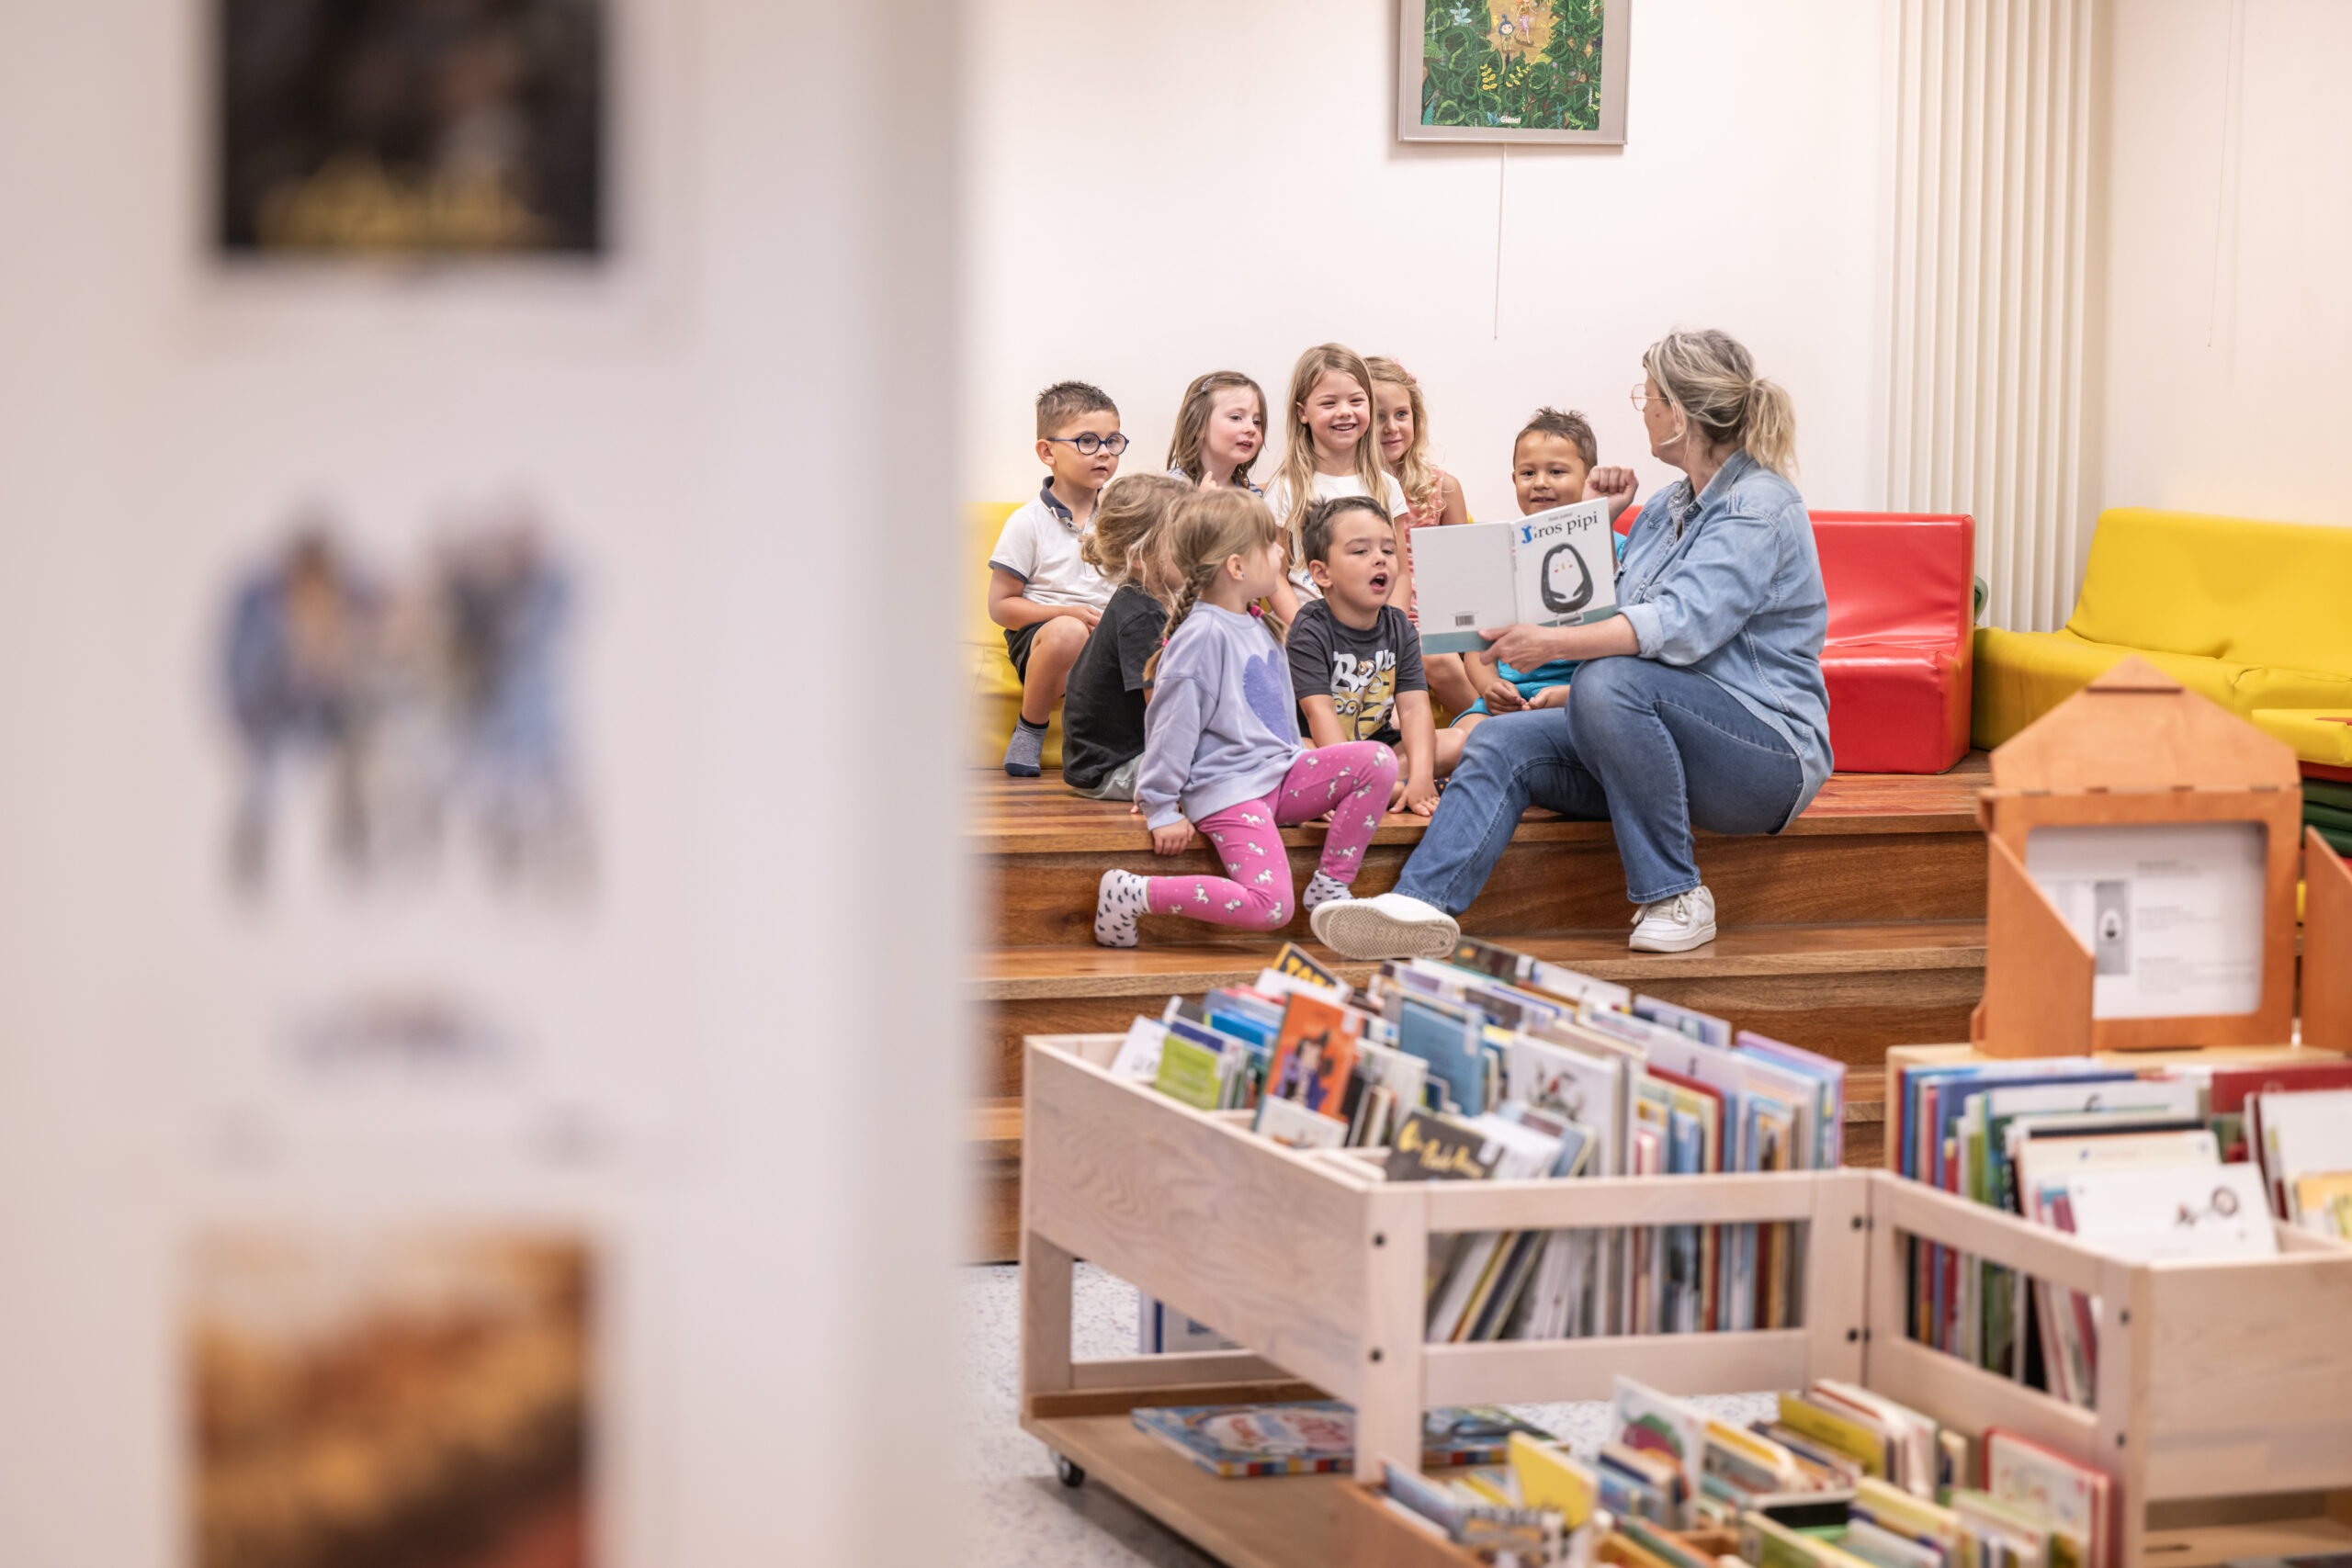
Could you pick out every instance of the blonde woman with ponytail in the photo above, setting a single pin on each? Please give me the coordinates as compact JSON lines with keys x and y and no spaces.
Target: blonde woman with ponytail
{"x":1221,"y":742}
{"x":1701,"y":705}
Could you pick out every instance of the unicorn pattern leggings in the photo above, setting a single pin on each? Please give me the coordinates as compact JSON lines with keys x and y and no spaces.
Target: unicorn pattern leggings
{"x":1350,"y":781}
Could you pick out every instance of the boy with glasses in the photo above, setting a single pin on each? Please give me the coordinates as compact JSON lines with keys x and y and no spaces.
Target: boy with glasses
{"x":1041,"y":590}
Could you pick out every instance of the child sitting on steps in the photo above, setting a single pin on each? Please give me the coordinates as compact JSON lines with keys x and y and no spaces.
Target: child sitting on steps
{"x":1103,"y":708}
{"x":1041,"y":590}
{"x":1221,"y":742}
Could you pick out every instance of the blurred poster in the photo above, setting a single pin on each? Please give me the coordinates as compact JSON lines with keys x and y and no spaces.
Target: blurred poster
{"x":404,"y":717}
{"x":410,"y":127}
{"x":393,"y":1399}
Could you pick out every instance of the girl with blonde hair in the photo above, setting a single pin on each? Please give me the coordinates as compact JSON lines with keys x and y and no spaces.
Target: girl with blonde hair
{"x":1432,"y":496}
{"x":1220,"y":430}
{"x":1327,"y":452}
{"x":1701,"y":705}
{"x":1221,"y":742}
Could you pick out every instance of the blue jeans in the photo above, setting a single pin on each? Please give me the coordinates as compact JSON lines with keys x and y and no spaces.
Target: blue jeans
{"x":1649,"y":747}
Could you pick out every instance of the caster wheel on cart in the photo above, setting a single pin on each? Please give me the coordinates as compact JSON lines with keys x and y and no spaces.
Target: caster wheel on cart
{"x":1072,"y":1474}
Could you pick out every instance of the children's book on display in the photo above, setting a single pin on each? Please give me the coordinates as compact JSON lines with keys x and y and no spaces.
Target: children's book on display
{"x":1316,"y":1437}
{"x":1494,"y":1066}
{"x":1552,"y":569}
{"x":1837,"y":1477}
{"x":2187,"y":1160}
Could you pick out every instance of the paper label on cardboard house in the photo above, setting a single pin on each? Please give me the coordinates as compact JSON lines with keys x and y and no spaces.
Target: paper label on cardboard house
{"x":2171,"y":912}
{"x":1553,"y":569}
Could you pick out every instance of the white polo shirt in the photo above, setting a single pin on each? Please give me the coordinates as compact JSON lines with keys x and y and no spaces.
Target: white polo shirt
{"x":1039,"y":545}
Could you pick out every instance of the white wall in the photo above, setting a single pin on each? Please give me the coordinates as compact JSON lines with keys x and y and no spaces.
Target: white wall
{"x":2229,"y":213}
{"x":779,"y":1263}
{"x":1160,"y":189}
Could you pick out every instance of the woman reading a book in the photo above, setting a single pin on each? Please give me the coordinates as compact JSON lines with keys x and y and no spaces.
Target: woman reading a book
{"x":1702,"y":704}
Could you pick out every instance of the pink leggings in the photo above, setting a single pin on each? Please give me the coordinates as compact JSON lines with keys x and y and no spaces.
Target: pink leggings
{"x":1351,"y":780}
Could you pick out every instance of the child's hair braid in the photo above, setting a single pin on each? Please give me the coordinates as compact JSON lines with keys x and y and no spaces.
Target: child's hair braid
{"x":1207,"y":528}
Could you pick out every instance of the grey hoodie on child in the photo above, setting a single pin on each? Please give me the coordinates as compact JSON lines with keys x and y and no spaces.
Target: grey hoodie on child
{"x":1222,"y":727}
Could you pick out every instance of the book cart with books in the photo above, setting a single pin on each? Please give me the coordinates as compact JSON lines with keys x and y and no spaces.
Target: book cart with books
{"x":2214,"y":1379}
{"x":2223,"y":1402}
{"x":2213,"y":1391}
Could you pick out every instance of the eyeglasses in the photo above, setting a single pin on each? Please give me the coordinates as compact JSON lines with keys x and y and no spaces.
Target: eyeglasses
{"x":1643,"y":399}
{"x":1089,"y":443}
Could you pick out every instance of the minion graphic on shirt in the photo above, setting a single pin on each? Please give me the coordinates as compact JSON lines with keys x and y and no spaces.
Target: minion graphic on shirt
{"x":1364,"y":693}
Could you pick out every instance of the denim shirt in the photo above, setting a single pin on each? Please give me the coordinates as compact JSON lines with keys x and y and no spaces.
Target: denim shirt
{"x":1726,"y":583}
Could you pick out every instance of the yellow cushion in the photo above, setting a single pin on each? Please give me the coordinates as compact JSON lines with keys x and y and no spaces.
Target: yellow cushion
{"x":2022,"y":675}
{"x":2251,"y":615}
{"x":2253,"y":593}
{"x":2318,"y":735}
{"x":995,"y":689}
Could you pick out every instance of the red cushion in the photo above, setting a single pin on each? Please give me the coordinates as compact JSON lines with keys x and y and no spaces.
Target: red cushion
{"x":1902,"y":590}
{"x":1896,"y":707}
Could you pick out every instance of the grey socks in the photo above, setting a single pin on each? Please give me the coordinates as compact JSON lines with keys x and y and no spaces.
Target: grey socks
{"x":1024,"y":755}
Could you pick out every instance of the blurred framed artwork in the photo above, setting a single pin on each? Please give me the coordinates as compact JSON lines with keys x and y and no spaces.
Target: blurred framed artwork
{"x":409,"y":127}
{"x":391,"y":1398}
{"x":1551,"y":71}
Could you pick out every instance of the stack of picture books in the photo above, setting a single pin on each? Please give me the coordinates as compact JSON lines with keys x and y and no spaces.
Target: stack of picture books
{"x":2037,"y":1509}
{"x":1313,"y":1437}
{"x":1495,"y":1065}
{"x":2141,"y":1164}
{"x":1840,"y":1478}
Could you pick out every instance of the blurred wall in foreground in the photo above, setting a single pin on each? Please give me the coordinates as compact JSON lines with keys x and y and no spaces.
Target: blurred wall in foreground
{"x":658,"y":1084}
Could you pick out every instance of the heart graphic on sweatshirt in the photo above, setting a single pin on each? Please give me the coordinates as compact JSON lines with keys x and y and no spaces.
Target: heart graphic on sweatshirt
{"x":1265,"y":680}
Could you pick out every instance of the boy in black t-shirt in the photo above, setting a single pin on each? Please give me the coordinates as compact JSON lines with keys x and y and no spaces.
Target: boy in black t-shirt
{"x":1355,"y":660}
{"x":1104,"y":704}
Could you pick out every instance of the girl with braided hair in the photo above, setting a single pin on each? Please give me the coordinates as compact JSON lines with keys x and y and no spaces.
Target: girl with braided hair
{"x":1221,"y":746}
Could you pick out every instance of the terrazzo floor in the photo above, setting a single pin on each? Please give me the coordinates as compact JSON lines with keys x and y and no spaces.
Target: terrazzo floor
{"x":1020,"y":1514}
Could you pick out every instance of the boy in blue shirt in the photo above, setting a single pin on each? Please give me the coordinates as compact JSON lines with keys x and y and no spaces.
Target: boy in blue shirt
{"x":1549,"y":462}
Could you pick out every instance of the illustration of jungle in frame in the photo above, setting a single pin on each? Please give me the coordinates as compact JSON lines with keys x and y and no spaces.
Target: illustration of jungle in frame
{"x":1549,"y":71}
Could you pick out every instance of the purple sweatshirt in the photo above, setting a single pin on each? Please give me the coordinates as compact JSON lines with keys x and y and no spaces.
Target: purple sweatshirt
{"x":1221,"y":727}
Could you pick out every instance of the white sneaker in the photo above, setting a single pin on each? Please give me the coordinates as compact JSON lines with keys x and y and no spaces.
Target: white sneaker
{"x":1676,"y":924}
{"x":1387,"y":925}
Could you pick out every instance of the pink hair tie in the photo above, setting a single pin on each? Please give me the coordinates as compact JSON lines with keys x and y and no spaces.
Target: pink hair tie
{"x":1258,"y":611}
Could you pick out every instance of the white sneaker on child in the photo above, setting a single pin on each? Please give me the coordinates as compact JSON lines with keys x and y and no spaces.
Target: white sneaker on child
{"x":1387,"y":925}
{"x":1676,"y":924}
{"x":1118,"y":899}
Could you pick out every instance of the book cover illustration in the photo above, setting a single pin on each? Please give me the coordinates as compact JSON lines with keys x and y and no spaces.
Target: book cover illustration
{"x":1647,"y":1421}
{"x":1313,"y":1055}
{"x":1432,"y":1148}
{"x":1554,"y":569}
{"x":1311,"y":1437}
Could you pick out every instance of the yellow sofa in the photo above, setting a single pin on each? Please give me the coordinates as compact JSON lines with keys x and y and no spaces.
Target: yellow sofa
{"x":995,"y":691}
{"x":2254,"y":615}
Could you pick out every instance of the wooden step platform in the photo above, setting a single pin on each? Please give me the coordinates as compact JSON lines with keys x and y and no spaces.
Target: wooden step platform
{"x":1858,"y":928}
{"x":1871,"y":849}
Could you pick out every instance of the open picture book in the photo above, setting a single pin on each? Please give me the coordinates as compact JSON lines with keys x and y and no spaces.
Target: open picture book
{"x":1553,"y":569}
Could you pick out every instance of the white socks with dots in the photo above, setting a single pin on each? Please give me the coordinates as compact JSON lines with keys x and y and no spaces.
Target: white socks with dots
{"x":1320,"y":890}
{"x":1120,"y":898}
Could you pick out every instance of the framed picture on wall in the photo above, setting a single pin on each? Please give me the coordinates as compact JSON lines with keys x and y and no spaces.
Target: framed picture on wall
{"x":1512,"y":70}
{"x":409,"y":127}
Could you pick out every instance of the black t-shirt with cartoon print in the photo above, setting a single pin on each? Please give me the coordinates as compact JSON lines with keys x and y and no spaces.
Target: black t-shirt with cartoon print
{"x":1361,"y":672}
